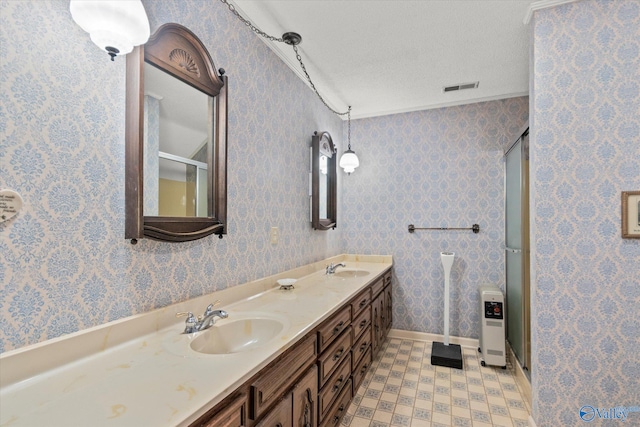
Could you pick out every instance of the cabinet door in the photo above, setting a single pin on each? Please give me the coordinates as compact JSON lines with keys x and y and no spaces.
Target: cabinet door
{"x":280,"y":416}
{"x":305,"y":400}
{"x":378,"y":327}
{"x":388,"y":300}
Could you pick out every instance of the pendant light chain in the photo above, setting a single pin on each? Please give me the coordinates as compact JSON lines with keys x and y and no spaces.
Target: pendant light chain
{"x":293,"y":40}
{"x":248,"y":23}
{"x":298,"y":57}
{"x":304,"y":69}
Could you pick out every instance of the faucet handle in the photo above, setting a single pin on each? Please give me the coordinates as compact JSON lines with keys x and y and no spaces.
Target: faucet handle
{"x":186,"y":313}
{"x":209,"y":309}
{"x":190,"y":322}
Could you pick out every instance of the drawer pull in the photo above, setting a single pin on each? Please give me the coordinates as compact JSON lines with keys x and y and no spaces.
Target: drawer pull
{"x":338,"y":328}
{"x":363,"y":347}
{"x":337,"y":418}
{"x":336,"y":387}
{"x":279,"y":425}
{"x":364,"y":368}
{"x":338,"y":355}
{"x":363,"y":303}
{"x":363,"y":323}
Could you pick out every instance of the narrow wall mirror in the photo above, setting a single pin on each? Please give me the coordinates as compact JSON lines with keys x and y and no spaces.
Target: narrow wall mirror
{"x":324,"y":182}
{"x":176,"y":139}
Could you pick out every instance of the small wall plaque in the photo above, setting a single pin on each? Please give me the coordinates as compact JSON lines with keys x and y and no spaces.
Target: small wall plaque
{"x":10,"y":204}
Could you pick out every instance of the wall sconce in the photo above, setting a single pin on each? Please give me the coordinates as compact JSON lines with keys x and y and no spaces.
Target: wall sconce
{"x":115,"y":26}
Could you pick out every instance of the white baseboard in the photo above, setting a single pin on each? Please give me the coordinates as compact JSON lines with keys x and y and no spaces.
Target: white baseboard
{"x":423,"y":336}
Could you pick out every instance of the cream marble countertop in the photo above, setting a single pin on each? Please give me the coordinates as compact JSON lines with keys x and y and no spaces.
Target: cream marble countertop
{"x":155,"y":378}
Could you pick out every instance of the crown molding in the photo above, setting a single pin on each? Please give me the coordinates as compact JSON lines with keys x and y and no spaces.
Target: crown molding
{"x":543,"y":4}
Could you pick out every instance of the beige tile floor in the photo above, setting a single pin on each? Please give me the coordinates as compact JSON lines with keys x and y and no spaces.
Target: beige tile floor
{"x":404,"y":389}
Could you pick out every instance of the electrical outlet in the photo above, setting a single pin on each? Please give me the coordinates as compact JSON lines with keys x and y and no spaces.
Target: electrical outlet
{"x":274,"y":235}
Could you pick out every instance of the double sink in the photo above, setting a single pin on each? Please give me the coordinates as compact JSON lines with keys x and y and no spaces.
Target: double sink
{"x":241,"y":332}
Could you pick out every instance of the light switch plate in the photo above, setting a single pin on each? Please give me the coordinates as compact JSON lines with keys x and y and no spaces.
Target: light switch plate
{"x":274,"y":235}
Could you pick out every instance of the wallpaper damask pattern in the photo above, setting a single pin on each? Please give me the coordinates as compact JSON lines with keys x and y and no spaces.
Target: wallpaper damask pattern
{"x":585,"y":151}
{"x":65,"y":265}
{"x":433,"y":168}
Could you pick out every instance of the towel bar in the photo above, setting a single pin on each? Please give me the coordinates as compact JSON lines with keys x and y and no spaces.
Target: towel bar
{"x":475,"y":228}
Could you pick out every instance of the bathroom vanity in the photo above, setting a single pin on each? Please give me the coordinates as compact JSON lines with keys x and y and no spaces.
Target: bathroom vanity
{"x":305,"y":353}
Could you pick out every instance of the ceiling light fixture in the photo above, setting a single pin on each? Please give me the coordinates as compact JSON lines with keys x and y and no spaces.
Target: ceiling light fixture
{"x":349,"y":161}
{"x":115,"y":26}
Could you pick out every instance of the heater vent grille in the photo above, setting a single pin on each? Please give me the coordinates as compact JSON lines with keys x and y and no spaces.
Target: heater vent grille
{"x":461,"y":86}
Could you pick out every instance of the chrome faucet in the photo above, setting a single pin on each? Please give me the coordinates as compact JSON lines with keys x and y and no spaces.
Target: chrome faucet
{"x":193,"y":324}
{"x":332,"y":268}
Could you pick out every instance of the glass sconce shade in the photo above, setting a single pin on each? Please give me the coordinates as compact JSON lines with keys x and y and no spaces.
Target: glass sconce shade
{"x":349,"y":161}
{"x":114,"y":26}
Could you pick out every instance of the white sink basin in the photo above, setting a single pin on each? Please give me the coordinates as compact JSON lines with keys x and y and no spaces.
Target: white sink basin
{"x":237,"y":335}
{"x":347,"y":274}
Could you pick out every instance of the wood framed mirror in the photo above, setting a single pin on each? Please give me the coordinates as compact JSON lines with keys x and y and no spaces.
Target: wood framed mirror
{"x":324,"y":210}
{"x":176,"y":139}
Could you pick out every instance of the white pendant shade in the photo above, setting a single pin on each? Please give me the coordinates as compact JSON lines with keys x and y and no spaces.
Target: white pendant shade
{"x":118,"y":24}
{"x":349,"y":161}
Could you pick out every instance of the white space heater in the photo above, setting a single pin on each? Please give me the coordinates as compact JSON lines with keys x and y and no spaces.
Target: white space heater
{"x":492,"y":329}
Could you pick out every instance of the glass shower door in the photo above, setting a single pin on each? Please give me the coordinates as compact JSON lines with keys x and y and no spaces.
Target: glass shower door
{"x":516,"y":249}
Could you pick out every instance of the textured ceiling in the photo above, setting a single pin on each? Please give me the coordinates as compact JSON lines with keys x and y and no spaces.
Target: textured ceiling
{"x":384,"y":57}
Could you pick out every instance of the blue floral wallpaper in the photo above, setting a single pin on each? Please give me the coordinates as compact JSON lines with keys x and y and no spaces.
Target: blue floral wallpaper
{"x":64,"y":264}
{"x":434,"y":168}
{"x":585,"y":152}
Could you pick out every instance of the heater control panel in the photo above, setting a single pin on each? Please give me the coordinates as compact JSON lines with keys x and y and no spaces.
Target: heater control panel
{"x":493,"y":310}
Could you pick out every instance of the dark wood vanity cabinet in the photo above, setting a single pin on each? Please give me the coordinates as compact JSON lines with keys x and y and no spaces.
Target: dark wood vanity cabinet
{"x":313,"y":382}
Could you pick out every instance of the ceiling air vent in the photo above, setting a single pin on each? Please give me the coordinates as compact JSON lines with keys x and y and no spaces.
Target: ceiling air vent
{"x":461,"y":86}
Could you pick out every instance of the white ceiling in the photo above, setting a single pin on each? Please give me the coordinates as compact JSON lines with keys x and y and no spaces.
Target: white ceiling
{"x":390,"y":56}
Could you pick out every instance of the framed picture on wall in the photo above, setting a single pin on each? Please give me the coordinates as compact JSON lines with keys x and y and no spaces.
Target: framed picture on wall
{"x":631,"y":214}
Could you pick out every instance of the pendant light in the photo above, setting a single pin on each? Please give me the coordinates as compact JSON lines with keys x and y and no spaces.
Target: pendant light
{"x":349,"y":161}
{"x":115,"y":26}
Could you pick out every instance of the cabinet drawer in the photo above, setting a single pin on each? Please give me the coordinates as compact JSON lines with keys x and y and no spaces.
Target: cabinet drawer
{"x":232,"y":414}
{"x":360,"y":370}
{"x":360,"y":347}
{"x":339,"y":408}
{"x":362,"y":322}
{"x":332,"y":327}
{"x":387,"y":278}
{"x":334,"y":386}
{"x":280,"y":416}
{"x":360,"y":302}
{"x":274,"y":379}
{"x":334,"y":355}
{"x":377,"y":287}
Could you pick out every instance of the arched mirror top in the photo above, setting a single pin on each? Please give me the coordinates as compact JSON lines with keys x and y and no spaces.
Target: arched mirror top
{"x":179,"y":52}
{"x":176,"y":139}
